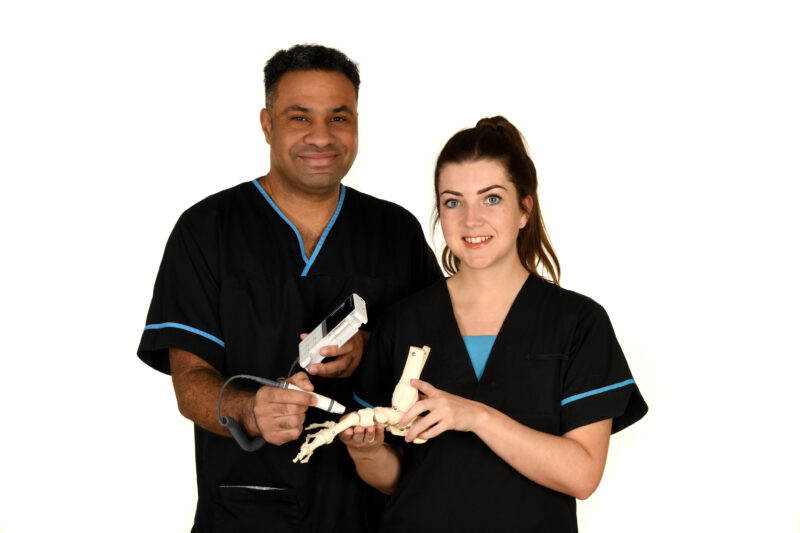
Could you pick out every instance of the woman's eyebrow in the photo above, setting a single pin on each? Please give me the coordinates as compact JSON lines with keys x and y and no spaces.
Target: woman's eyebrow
{"x":490,"y":187}
{"x":485,"y":189}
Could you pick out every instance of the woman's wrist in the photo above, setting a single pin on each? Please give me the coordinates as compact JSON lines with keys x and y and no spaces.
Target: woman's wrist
{"x":482,"y":415}
{"x":369,"y":453}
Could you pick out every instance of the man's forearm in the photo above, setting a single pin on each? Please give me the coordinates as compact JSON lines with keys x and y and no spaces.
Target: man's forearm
{"x":197,"y":385}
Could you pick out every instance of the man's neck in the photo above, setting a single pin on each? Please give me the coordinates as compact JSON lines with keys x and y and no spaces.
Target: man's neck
{"x":310,"y":212}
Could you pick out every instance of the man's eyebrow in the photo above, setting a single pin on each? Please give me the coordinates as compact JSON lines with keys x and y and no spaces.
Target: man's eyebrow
{"x":295,"y":108}
{"x":300,"y":109}
{"x":344,"y":109}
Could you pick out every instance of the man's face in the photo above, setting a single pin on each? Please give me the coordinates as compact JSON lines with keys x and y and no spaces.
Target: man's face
{"x":312,"y":130}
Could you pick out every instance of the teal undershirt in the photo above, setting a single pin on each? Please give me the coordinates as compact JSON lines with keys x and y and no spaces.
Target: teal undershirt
{"x":479,"y":347}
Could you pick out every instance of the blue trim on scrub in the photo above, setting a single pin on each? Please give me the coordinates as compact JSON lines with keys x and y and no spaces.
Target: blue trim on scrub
{"x":306,"y":260}
{"x":185,"y":328}
{"x":479,"y":347}
{"x":582,"y":395}
{"x":325,"y":233}
{"x":362,"y":402}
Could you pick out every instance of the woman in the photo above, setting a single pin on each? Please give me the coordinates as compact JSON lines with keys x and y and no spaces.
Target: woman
{"x":525,"y":381}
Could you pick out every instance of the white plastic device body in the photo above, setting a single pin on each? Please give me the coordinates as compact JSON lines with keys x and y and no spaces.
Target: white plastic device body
{"x":335,"y":329}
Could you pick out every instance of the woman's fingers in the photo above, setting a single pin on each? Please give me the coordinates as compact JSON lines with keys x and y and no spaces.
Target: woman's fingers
{"x":440,"y":412}
{"x":424,"y":387}
{"x":431,"y":424}
{"x":362,"y":437}
{"x":417,"y":409}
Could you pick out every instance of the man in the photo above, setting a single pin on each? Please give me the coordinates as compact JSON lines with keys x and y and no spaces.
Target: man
{"x":246,"y":270}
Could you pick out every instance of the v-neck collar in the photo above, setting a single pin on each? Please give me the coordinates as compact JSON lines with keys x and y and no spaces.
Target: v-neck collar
{"x":508,"y":329}
{"x":307,"y":260}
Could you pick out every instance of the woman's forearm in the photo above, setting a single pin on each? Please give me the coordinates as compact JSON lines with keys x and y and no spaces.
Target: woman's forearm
{"x":572,"y":464}
{"x":379,"y":467}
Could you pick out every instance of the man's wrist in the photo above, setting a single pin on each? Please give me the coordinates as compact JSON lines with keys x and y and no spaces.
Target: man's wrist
{"x":247,"y":418}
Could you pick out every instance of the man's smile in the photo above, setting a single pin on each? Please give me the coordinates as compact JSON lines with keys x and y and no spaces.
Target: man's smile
{"x":318,"y":159}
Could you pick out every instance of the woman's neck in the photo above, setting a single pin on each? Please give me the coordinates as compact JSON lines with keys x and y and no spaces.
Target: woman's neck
{"x":501,"y":279}
{"x":482,"y":298}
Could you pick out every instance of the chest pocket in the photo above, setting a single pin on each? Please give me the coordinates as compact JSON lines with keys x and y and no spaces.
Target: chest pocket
{"x":531,"y":391}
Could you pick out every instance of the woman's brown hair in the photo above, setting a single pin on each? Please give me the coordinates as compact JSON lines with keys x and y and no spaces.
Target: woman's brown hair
{"x":496,"y":139}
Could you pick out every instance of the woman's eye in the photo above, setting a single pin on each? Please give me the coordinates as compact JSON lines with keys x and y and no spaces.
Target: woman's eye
{"x":452,"y":202}
{"x":492,"y":199}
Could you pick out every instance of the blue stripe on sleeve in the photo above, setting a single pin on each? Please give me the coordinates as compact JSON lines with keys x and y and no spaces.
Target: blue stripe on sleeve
{"x":185,"y":328}
{"x":582,"y":395}
{"x":362,"y":402}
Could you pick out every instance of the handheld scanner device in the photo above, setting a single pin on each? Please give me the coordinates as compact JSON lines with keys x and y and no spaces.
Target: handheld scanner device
{"x":251,"y":445}
{"x":335,"y":329}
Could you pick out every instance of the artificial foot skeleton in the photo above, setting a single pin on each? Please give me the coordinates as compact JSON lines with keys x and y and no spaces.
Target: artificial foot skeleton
{"x":403,"y":398}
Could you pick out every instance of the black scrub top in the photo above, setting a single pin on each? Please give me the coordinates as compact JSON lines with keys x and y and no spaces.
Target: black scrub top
{"x":235,"y":288}
{"x":555,"y":366}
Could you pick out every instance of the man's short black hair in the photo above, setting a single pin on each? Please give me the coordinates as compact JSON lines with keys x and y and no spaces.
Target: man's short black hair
{"x":307,"y":57}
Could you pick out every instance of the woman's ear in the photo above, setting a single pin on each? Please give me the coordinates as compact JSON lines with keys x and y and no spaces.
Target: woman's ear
{"x":527,"y":206}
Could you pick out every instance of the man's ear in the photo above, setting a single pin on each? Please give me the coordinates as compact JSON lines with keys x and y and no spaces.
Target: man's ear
{"x":266,"y":125}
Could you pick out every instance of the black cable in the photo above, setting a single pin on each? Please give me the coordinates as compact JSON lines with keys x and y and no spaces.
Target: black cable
{"x":291,"y":368}
{"x":245,"y":442}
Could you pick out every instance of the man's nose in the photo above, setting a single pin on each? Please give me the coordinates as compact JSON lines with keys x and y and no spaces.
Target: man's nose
{"x":320,"y":134}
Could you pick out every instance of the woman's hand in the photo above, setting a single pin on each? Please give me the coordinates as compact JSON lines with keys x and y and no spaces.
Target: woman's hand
{"x":377,"y":463}
{"x":444,"y":411}
{"x":362,"y":440}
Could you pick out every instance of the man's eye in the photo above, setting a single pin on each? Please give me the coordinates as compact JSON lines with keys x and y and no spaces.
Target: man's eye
{"x":338,"y":119}
{"x":298,"y":118}
{"x":492,"y":199}
{"x":451,"y":202}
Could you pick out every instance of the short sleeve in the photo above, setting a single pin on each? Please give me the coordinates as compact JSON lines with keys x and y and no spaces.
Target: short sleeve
{"x":184,"y":312}
{"x":598,"y":383}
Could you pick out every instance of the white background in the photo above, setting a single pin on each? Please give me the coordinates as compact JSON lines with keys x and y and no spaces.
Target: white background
{"x":666,"y":138}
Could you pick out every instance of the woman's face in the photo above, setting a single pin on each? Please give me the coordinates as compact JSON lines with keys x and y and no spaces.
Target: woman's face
{"x":480,"y":213}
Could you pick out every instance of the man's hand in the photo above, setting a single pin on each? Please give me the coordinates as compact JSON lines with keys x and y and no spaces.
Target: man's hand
{"x":275,"y":414}
{"x":280,"y":413}
{"x":343,"y":360}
